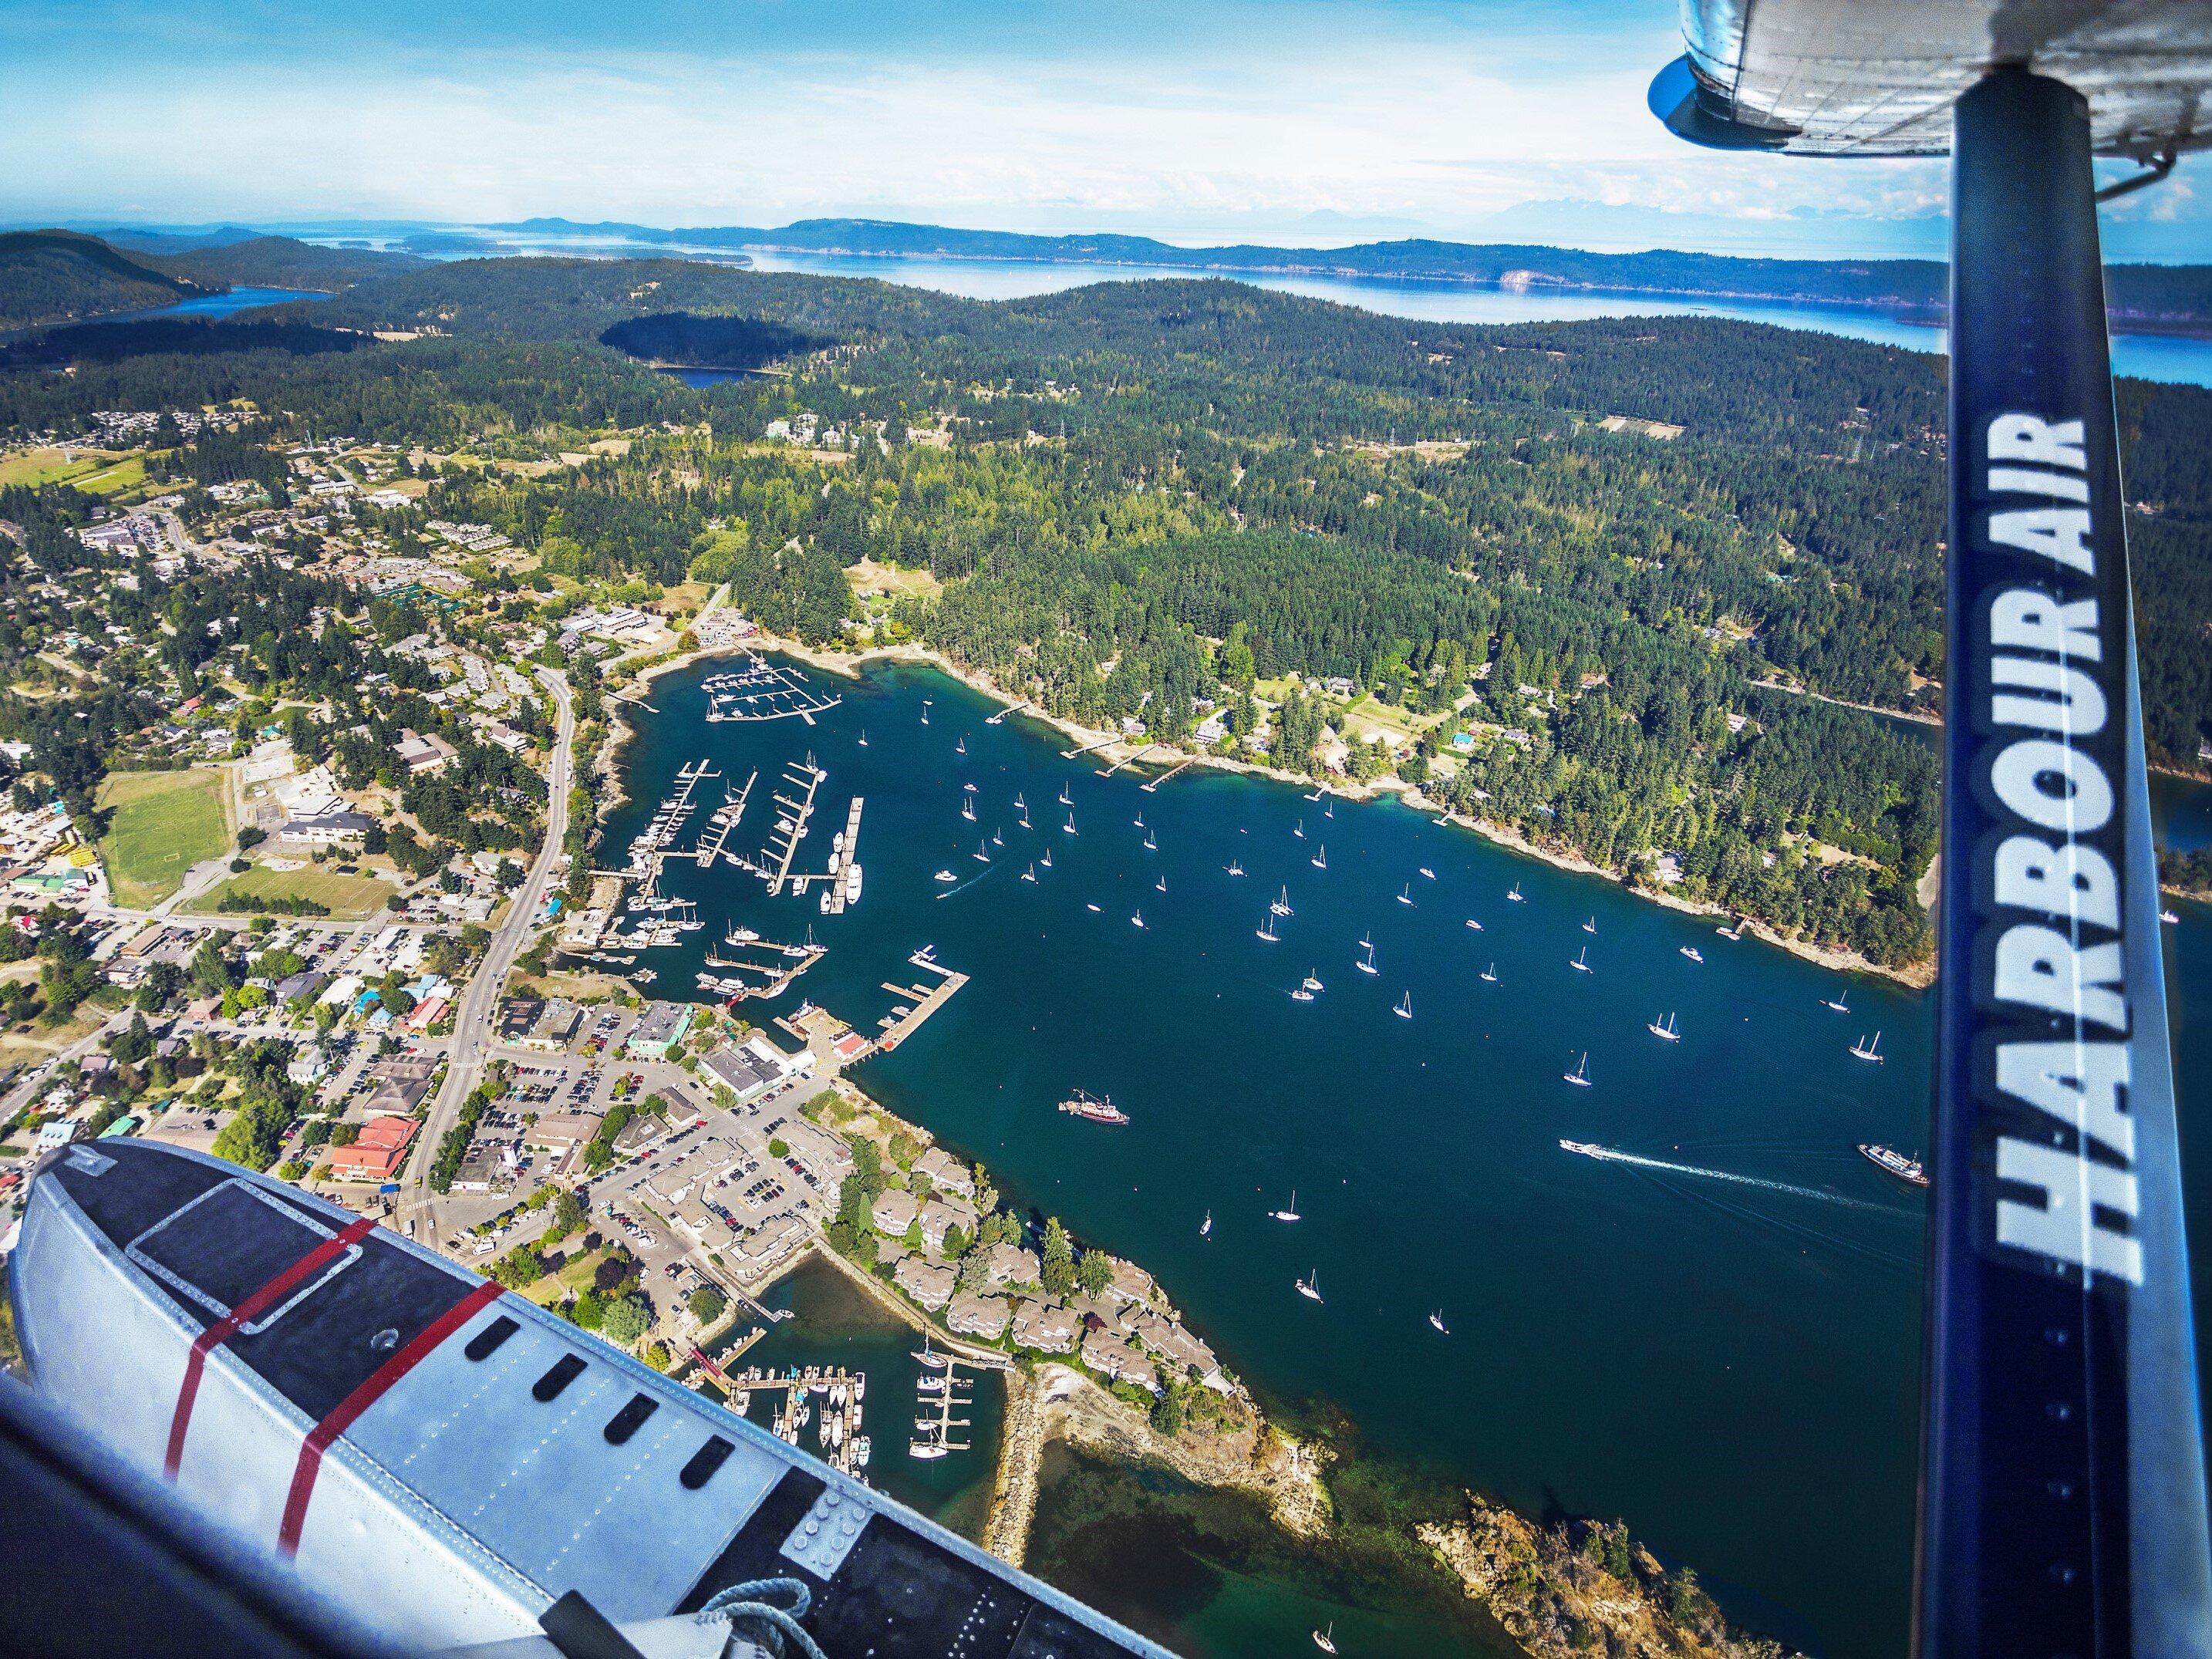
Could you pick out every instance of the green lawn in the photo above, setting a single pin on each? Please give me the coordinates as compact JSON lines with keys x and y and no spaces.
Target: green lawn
{"x":164,"y":822}
{"x":94,"y":472}
{"x":350,"y":897}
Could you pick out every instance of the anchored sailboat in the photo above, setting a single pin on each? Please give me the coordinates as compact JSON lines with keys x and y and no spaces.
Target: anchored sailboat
{"x":1491,"y":973}
{"x":1582,"y":962}
{"x":1580,"y":1076}
{"x":1368,"y":966}
{"x":1406,"y":894}
{"x":1309,"y":1286}
{"x":1267,"y":928}
{"x":1405,"y":1008}
{"x":1666,"y":1032}
{"x":1289,"y":1213}
{"x":1320,"y":860}
{"x":1866,"y":1050}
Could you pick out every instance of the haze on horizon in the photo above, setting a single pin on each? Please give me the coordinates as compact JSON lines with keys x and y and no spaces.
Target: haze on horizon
{"x":1284,"y":121}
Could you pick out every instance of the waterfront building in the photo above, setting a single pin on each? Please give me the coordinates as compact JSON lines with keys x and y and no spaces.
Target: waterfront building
{"x":928,"y":1285}
{"x":939,"y":1216}
{"x":1118,"y":1361}
{"x":1011,"y":1264}
{"x":1046,"y":1327}
{"x":971,"y":1315}
{"x":894,"y":1212}
{"x":946,"y":1173}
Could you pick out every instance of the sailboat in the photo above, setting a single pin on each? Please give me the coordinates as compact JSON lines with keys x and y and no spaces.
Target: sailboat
{"x":1405,"y":1008}
{"x":1069,"y":827}
{"x":1281,"y":906}
{"x":1368,"y":966}
{"x":1140,"y":818}
{"x":864,"y":737}
{"x":1580,"y":1076}
{"x":1150,"y":846}
{"x":1289,"y":1213}
{"x":1162,"y":884}
{"x":1491,"y":973}
{"x":1064,"y":798}
{"x":1137,"y":919}
{"x":1020,"y":806}
{"x":1205,"y":1227}
{"x":1310,"y":983}
{"x":983,"y":853}
{"x":1406,"y":894}
{"x":997,"y":840}
{"x":1029,"y":874}
{"x":1516,"y":894}
{"x":968,"y":808}
{"x":1047,"y":860}
{"x":1326,"y":1640}
{"x":1591,"y":927}
{"x":1329,"y":810}
{"x":1320,"y":860}
{"x":1309,"y":1286}
{"x":1437,"y":1318}
{"x":1665,"y":1032}
{"x":1866,"y":1050}
{"x":924,"y":711}
{"x":1267,"y":928}
{"x":1839,"y":1004}
{"x":1300,"y":832}
{"x":1582,"y":962}
{"x":961,"y":747}
{"x":1235,"y":868}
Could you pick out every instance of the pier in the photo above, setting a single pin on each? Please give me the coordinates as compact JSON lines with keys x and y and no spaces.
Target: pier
{"x":937,"y":1397}
{"x":1188,"y":759}
{"x":758,"y":692}
{"x":843,"y":862}
{"x":1128,"y":760}
{"x":835,"y":1392}
{"x":994,"y":720}
{"x":925,"y":1001}
{"x":791,"y":828}
{"x":1089,"y":748}
{"x":716,"y":835}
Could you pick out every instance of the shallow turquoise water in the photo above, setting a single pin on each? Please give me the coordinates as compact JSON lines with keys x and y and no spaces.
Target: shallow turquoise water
{"x":1731,"y":1368}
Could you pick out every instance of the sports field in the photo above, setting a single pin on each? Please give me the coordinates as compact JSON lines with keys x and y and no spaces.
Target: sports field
{"x":164,"y":822}
{"x":347,"y":897}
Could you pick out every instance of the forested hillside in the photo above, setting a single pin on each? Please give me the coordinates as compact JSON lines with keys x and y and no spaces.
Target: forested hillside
{"x":1137,"y":500}
{"x":56,"y":276}
{"x":280,"y":262}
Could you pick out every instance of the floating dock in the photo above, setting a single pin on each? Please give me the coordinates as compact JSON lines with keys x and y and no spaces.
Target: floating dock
{"x":716,"y":835}
{"x":791,"y":828}
{"x":926,"y":1001}
{"x":758,"y":692}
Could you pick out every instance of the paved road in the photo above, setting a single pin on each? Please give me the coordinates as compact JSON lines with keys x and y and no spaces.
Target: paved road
{"x":473,"y":1024}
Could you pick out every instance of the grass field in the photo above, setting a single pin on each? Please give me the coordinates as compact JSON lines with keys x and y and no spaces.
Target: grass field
{"x":164,"y":822}
{"x":350,"y":897}
{"x":93,"y":471}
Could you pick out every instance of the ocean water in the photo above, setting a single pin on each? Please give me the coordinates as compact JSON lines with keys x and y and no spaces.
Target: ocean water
{"x":1723,"y":1351}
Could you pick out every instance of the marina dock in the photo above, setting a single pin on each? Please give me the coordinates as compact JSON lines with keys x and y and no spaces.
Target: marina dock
{"x":831,"y":1393}
{"x":791,"y":828}
{"x":758,"y":692}
{"x":716,"y":835}
{"x":897,"y":1028}
{"x":843,"y":874}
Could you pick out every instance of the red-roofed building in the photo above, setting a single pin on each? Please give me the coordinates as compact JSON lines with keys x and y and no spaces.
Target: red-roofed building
{"x":377,"y":1154}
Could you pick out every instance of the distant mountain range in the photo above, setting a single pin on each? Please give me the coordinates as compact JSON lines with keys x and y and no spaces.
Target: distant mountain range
{"x":63,"y":276}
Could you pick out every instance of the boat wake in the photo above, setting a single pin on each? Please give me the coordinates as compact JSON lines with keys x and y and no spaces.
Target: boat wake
{"x":985,"y":876}
{"x":1608,"y":1155}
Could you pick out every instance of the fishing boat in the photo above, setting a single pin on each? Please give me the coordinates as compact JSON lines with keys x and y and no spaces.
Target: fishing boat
{"x":1205,"y":1227}
{"x":1591,"y":927}
{"x":1694,"y":953}
{"x":1368,"y":966}
{"x":1665,"y":1032}
{"x":1137,"y":919}
{"x":1310,"y":983}
{"x":1092,"y":1109}
{"x":1841,"y":1004}
{"x":1437,"y":1318}
{"x":1581,"y":964}
{"x":1472,"y":923}
{"x":1865,"y":1050}
{"x":1281,"y":906}
{"x":1428,"y":872}
{"x":1290,"y":1211}
{"x":1516,"y":894}
{"x":1235,"y":868}
{"x":1580,"y":1076}
{"x":1309,"y":1286}
{"x":1320,"y":860}
{"x":1325,"y":1639}
{"x":946,"y":875}
{"x":1406,"y":894}
{"x":1491,"y":973}
{"x":1405,"y":1008}
{"x":1904,"y":1168}
{"x":1029,"y":874}
{"x":1267,"y":929}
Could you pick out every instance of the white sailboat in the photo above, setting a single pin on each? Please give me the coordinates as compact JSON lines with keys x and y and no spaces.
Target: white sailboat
{"x":1234,"y":867}
{"x":1137,"y":919}
{"x":968,"y":809}
{"x":1326,"y":1640}
{"x":1140,"y":818}
{"x":1406,"y":894}
{"x":1309,"y":1286}
{"x":1267,"y":928}
{"x":1205,"y":1227}
{"x":1320,"y":860}
{"x":864,"y":737}
{"x":1405,"y":1008}
{"x":1437,"y":1318}
{"x":960,"y":747}
{"x":997,"y":840}
{"x":1368,"y":966}
{"x":1069,"y":827}
{"x":1516,"y":894}
{"x":1581,"y":964}
{"x":1029,"y":874}
{"x":1591,"y":927}
{"x":1290,"y":1211}
{"x":1491,"y":973}
{"x":1665,"y":1032}
{"x":1281,"y":906}
{"x":1300,"y":832}
{"x":1866,"y":1050}
{"x":1580,"y":1076}
{"x":1311,"y":983}
{"x":1046,"y":859}
{"x":1150,"y":846}
{"x":1839,"y":1004}
{"x":1429,"y":874}
{"x":983,"y":853}
{"x":1065,"y":799}
{"x":1161,"y":884}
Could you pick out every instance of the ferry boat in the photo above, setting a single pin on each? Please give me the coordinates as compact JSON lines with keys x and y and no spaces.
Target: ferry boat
{"x":1320,"y":860}
{"x":1904,"y":1168}
{"x":1309,"y":1286}
{"x":1281,"y":906}
{"x":1289,"y":1212}
{"x":1368,"y":966}
{"x":1437,"y":1318}
{"x":1865,"y":1050}
{"x":1581,"y":964}
{"x":946,"y":875}
{"x":1405,"y":1008}
{"x":1580,"y":1077}
{"x":1092,"y":1109}
{"x":1694,"y":953}
{"x":1491,"y":973}
{"x":1665,"y":1032}
{"x":1406,"y":894}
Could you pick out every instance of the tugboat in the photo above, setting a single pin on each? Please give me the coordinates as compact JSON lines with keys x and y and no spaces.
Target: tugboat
{"x":1904,"y":1168}
{"x":1094,"y":1110}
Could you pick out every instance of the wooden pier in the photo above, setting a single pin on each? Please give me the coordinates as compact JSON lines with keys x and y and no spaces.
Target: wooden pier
{"x":716,"y":835}
{"x":1089,"y":748}
{"x":997,"y":719}
{"x":926,"y":1001}
{"x":841,"y":861}
{"x":1188,"y":759}
{"x":1128,"y":760}
{"x":791,"y":828}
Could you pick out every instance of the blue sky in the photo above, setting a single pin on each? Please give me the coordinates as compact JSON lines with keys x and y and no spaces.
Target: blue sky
{"x":1292,"y":120}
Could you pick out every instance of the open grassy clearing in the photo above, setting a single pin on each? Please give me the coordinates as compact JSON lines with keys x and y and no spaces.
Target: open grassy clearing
{"x":348,"y":898}
{"x":163,"y":823}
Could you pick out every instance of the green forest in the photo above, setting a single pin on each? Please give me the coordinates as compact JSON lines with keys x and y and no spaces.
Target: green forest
{"x":1143,"y":501}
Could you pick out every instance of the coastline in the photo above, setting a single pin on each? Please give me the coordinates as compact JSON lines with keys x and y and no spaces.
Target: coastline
{"x":1917,"y":976}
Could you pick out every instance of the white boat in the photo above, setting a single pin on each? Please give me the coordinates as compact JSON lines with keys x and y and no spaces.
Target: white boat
{"x":1437,"y":1318}
{"x":968,"y":810}
{"x":969,"y":787}
{"x":1309,"y":1286}
{"x":1491,"y":973}
{"x":1320,"y":860}
{"x":1406,"y":894}
{"x":1591,"y":927}
{"x":1161,"y":884}
{"x":1235,"y":868}
{"x":1029,"y":874}
{"x":997,"y":840}
{"x":1581,"y":964}
{"x":1065,"y":799}
{"x":1150,"y":846}
{"x":1140,"y":818}
{"x":1290,"y":1211}
{"x":1405,"y":1008}
{"x":1665,"y":1032}
{"x":1281,"y":906}
{"x":2169,"y":918}
{"x":1092,"y":909}
{"x":1310,"y":983}
{"x":1368,"y":966}
{"x":1300,"y":832}
{"x":1205,"y":1227}
{"x":1069,"y":827}
{"x":925,"y":1450}
{"x":1302,"y":995}
{"x":946,"y":875}
{"x":1694,"y":953}
{"x":961,"y":747}
{"x":982,"y":854}
{"x":1326,"y":1640}
{"x":1865,"y":1050}
{"x":1516,"y":894}
{"x":1137,"y":919}
{"x":1046,"y":859}
{"x":1580,"y":1076}
{"x":1472,"y":923}
{"x":1841,"y":1004}
{"x":1430,"y":873}
{"x":864,"y":737}
{"x":1267,"y":929}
